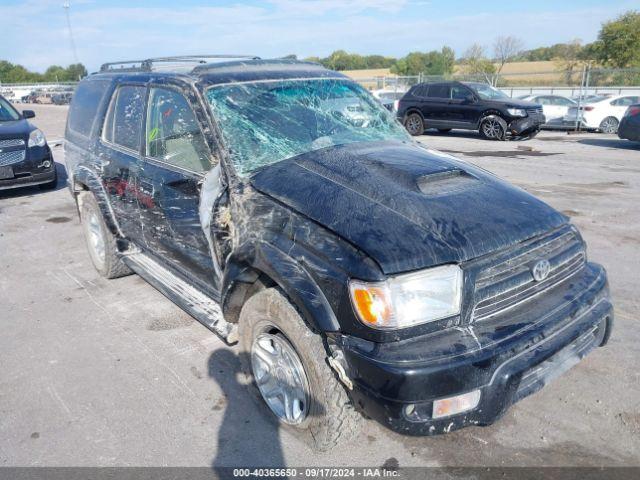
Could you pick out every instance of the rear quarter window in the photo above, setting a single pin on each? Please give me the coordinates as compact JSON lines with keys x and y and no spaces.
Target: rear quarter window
{"x":84,"y":106}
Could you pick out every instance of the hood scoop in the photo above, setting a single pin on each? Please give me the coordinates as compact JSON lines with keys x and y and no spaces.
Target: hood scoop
{"x":447,"y":183}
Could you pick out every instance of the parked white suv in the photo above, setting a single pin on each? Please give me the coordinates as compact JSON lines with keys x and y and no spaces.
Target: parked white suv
{"x":603,"y":114}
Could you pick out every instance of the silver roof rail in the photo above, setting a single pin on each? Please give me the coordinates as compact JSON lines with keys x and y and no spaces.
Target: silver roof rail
{"x":148,"y":64}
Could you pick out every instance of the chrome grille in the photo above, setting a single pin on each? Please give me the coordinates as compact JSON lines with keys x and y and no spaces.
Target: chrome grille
{"x":9,"y":158}
{"x":11,"y":142}
{"x":511,"y":282}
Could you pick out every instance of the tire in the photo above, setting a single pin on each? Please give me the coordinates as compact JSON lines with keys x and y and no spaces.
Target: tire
{"x":101,"y":243}
{"x":327,"y":416}
{"x":444,"y":130}
{"x":609,"y":125}
{"x":52,"y":184}
{"x":493,"y":127}
{"x":414,"y":124}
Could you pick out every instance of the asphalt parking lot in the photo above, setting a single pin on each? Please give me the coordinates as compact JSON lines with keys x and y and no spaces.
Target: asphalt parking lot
{"x":110,"y":373}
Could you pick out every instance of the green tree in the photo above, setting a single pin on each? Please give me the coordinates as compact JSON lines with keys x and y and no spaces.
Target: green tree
{"x":12,"y":73}
{"x":477,"y":64}
{"x":618,"y":43}
{"x":429,"y":63}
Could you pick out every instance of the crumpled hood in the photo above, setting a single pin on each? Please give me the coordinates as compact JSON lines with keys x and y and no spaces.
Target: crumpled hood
{"x":406,"y":206}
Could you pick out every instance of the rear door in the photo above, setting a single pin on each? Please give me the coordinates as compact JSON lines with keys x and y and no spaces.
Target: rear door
{"x":176,"y":159}
{"x":119,"y":155}
{"x":436,"y":105}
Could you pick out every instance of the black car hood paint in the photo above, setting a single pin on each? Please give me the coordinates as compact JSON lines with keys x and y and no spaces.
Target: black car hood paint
{"x":15,"y":129}
{"x":373,"y":195}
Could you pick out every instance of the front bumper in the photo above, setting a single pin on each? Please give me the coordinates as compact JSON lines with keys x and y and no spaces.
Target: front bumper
{"x":526,"y":125}
{"x":31,"y":170}
{"x":388,"y":378}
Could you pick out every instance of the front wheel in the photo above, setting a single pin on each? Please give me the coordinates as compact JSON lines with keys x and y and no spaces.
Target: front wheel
{"x":414,"y":124}
{"x":493,"y":128}
{"x":287,"y":366}
{"x":609,"y":125}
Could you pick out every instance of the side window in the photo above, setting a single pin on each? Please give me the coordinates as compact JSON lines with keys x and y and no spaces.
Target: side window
{"x":173,"y":134}
{"x":459,"y":93}
{"x":421,"y":91}
{"x":439,"y":91}
{"x":624,"y":101}
{"x":124,"y":119}
{"x":544,"y":101}
{"x":563,"y":102}
{"x":84,"y":106}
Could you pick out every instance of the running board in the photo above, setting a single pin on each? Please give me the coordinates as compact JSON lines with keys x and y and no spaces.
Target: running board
{"x":197,"y":304}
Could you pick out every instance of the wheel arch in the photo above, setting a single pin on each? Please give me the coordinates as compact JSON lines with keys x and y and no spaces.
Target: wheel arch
{"x":84,"y":180}
{"x":271,"y":267}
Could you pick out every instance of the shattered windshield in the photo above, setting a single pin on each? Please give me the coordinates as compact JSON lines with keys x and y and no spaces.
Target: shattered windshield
{"x":267,"y":122}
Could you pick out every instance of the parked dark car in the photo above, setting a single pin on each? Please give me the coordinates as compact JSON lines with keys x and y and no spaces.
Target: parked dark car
{"x":630,"y":124}
{"x":287,"y":210}
{"x":63,"y":98}
{"x":468,"y":106}
{"x":25,"y":157}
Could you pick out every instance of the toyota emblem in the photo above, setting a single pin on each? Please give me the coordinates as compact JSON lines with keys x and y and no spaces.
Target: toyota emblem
{"x":540,"y":270}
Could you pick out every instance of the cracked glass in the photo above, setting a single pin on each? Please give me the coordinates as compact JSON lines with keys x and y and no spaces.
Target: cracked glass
{"x":266,"y":122}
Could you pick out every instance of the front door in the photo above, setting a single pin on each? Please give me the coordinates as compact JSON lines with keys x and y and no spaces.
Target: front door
{"x":176,"y":159}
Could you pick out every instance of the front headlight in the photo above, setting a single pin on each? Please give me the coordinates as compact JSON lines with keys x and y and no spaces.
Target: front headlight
{"x":517,"y":112}
{"x":410,"y":299}
{"x":37,"y":139}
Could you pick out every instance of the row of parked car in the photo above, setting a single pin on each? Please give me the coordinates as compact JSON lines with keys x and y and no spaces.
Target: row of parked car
{"x":476,"y":106}
{"x":55,"y":98}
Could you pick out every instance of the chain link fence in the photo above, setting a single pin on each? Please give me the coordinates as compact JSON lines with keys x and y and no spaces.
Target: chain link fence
{"x":569,"y":82}
{"x":577,"y":81}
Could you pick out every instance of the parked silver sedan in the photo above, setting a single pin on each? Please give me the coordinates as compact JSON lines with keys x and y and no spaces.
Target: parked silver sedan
{"x":554,"y":107}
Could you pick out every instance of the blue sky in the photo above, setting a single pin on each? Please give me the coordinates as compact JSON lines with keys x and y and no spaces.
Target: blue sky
{"x":35,"y":32}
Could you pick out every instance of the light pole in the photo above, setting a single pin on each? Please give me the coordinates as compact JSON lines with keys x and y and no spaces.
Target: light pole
{"x":67,"y":6}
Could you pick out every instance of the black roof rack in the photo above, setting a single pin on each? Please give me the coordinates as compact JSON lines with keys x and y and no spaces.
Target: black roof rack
{"x":148,"y":64}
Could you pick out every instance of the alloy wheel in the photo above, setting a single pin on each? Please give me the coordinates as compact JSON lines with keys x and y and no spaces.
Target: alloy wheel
{"x":609,"y":125}
{"x":413,"y":125}
{"x":280,"y":377}
{"x":492,"y":128}
{"x":96,"y":239}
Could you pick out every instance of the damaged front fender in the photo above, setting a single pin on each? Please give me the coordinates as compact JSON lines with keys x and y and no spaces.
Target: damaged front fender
{"x":288,"y":275}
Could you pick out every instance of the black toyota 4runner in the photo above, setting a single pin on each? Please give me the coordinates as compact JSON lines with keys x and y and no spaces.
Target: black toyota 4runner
{"x":287,"y":210}
{"x":469,"y":106}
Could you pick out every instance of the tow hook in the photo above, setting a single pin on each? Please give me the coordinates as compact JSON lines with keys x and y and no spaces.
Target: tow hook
{"x":336,"y":362}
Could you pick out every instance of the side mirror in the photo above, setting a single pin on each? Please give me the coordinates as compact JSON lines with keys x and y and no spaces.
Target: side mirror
{"x":28,"y":114}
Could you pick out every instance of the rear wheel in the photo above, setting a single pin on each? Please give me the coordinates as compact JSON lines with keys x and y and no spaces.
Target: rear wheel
{"x":286,"y":363}
{"x":414,"y":124}
{"x":493,"y":128}
{"x":609,"y":125}
{"x":101,"y":243}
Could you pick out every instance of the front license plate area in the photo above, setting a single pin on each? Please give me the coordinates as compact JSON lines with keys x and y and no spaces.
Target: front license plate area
{"x":6,"y":172}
